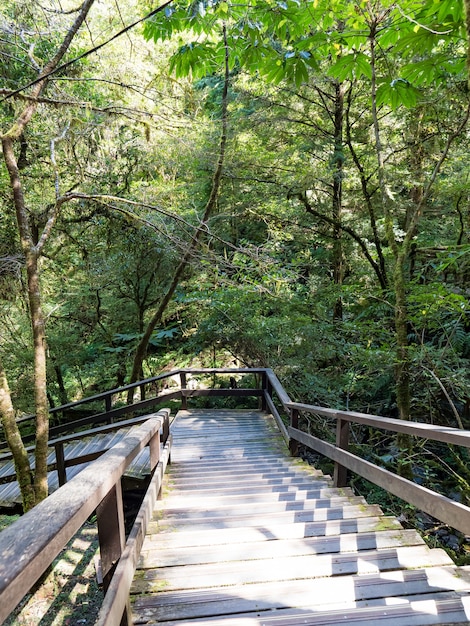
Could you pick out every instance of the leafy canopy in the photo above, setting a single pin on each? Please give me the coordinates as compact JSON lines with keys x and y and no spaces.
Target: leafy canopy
{"x":285,"y":39}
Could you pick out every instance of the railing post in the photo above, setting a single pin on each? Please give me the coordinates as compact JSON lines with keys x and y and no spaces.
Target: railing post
{"x":60,"y":463}
{"x":166,"y":428}
{"x":108,"y":407}
{"x":340,"y":475}
{"x":111,"y":531}
{"x":154,"y":448}
{"x":184,"y":400}
{"x":294,"y":422}
{"x":267,"y":389}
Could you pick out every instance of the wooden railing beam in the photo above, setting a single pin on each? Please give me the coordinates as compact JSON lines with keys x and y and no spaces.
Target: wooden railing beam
{"x":446,"y":510}
{"x":417,"y":429}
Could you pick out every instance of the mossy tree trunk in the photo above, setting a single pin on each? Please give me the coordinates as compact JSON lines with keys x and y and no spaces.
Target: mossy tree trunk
{"x":32,"y":247}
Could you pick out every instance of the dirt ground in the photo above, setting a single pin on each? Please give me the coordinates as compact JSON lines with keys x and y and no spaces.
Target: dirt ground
{"x":69,"y":594}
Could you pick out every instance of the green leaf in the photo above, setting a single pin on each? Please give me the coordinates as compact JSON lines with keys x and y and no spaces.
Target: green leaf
{"x":349,"y":66}
{"x":363,"y":67}
{"x":396,"y":93}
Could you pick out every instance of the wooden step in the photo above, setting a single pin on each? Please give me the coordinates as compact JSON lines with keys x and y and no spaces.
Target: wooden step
{"x":238,"y":493}
{"x":268,"y":468}
{"x":413,"y":611}
{"x":213,"y":513}
{"x":189,"y":535}
{"x":319,"y":594}
{"x":253,"y":480}
{"x":157,"y":556}
{"x":287,"y":568}
{"x":316,"y":515}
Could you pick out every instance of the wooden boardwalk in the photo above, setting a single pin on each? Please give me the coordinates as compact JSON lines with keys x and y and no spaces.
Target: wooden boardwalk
{"x":246,"y":535}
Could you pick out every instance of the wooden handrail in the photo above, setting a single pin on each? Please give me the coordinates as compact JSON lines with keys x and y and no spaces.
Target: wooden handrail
{"x":271,"y":384}
{"x":30,"y":545}
{"x":442,"y":508}
{"x":445,"y":434}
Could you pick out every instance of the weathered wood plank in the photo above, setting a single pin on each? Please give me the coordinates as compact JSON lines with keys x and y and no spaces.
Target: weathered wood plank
{"x":287,"y":568}
{"x":293,"y":517}
{"x":413,"y":611}
{"x":191,"y":536}
{"x":219,"y":499}
{"x":220,"y":476}
{"x":264,"y":549}
{"x":318,"y":594}
{"x":254,"y":510}
{"x":271,"y":465}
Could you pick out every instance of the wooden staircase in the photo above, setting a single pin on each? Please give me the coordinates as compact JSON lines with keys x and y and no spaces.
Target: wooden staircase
{"x":247,"y":535}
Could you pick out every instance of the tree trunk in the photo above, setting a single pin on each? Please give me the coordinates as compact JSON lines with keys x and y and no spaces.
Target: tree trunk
{"x":40,"y":377}
{"x":63,"y":399}
{"x":15,"y":443}
{"x":338,"y":161}
{"x":467,"y":11}
{"x":141,"y":350}
{"x":37,"y":321}
{"x":402,"y":365}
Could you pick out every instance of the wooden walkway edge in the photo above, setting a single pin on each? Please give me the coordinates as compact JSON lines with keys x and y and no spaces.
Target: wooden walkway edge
{"x":245,"y":535}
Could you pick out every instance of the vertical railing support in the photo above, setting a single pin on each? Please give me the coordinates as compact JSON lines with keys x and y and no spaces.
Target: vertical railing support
{"x":165,"y":428}
{"x":111,"y":531}
{"x":294,"y":422}
{"x":60,"y":463}
{"x":340,"y":475}
{"x":184,"y":400}
{"x":264,"y":388}
{"x":108,"y":406}
{"x":154,"y":447}
{"x":267,"y":391}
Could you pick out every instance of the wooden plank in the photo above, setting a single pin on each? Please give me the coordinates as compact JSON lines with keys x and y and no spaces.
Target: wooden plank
{"x":271,"y":463}
{"x":287,"y":568}
{"x":316,"y":515}
{"x":264,"y":549}
{"x":250,"y":481}
{"x":193,"y":536}
{"x":305,"y":495}
{"x":320,"y":491}
{"x":212,"y":511}
{"x":318,"y":594}
{"x":414,"y":611}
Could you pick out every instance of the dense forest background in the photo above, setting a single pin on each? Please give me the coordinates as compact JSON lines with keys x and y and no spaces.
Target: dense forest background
{"x":279,"y":183}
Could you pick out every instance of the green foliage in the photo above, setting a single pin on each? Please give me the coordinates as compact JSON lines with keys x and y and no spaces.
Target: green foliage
{"x":261,"y":289}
